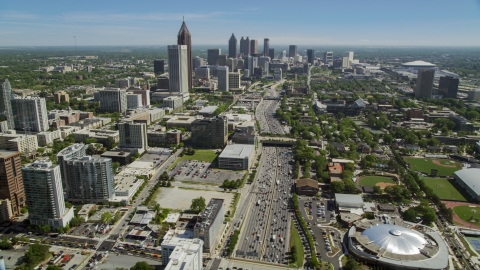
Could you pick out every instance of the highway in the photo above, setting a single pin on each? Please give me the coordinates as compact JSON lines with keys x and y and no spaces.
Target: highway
{"x":265,"y":114}
{"x":265,"y":232}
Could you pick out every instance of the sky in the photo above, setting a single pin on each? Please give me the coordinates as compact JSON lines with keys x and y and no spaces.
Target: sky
{"x":211,"y":22}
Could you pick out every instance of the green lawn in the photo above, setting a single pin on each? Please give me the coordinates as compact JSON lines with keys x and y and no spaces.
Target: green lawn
{"x":445,"y":190}
{"x":465,"y":213}
{"x":372,"y":180}
{"x":200,"y":155}
{"x":296,"y":241}
{"x":425,"y":165}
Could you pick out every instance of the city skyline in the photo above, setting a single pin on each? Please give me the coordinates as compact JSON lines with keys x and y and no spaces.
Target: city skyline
{"x":31,"y":23}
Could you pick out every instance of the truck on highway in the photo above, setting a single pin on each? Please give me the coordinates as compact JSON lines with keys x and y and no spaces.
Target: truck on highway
{"x":280,"y":239}
{"x":273,"y":238}
{"x":258,"y":203}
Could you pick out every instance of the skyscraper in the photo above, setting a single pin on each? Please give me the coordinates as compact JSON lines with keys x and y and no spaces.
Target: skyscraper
{"x":133,"y":135}
{"x":245,"y":46}
{"x":72,"y":151}
{"x":310,"y":56}
{"x":113,"y":100}
{"x":253,"y":46}
{"x":266,"y":47}
{"x":222,"y":60}
{"x":292,"y":51}
{"x":90,"y":179}
{"x":248,"y":63}
{"x":424,"y":86}
{"x":210,"y":132}
{"x":5,"y":104}
{"x":222,"y":75}
{"x":271,"y":53}
{"x":159,"y":66}
{"x":232,"y":47}
{"x":178,"y":68}
{"x":327,"y":58}
{"x":11,"y":182}
{"x":30,"y":113}
{"x":44,"y":195}
{"x":212,"y":56}
{"x":184,"y":38}
{"x":448,"y":86}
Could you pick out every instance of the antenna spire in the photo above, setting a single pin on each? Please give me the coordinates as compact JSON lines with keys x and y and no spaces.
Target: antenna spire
{"x":183,"y":18}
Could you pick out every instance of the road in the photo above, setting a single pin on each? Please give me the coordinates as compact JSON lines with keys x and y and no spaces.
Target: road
{"x":265,"y":114}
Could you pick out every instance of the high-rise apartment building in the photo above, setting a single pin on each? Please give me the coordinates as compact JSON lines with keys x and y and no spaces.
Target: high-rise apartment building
{"x":133,"y":135}
{"x":90,"y":179}
{"x":11,"y":182}
{"x":30,"y":113}
{"x":209,"y":132}
{"x":310,"y":56}
{"x":184,"y":38}
{"x":266,"y":47}
{"x":5,"y":104}
{"x":44,"y":195}
{"x":424,"y":86}
{"x":178,"y":72}
{"x":222,"y":75}
{"x":179,"y":251}
{"x":212,"y":56}
{"x":209,"y":224}
{"x":271,"y":53}
{"x":73,"y":151}
{"x":113,"y":100}
{"x":253,"y":46}
{"x":232,"y":47}
{"x":292,"y":51}
{"x":159,"y":66}
{"x":327,"y":58}
{"x":448,"y":86}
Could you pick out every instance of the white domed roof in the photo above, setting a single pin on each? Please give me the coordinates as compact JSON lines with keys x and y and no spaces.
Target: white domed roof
{"x":419,"y":64}
{"x":396,"y":239}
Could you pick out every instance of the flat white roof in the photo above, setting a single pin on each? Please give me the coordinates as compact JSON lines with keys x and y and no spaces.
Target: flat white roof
{"x":470,"y":178}
{"x":172,"y":218}
{"x":348,"y":198}
{"x":208,"y":109}
{"x":237,"y":151}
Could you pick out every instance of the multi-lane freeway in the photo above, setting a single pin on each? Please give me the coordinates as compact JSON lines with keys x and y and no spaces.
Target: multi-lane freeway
{"x":265,"y":232}
{"x":265,"y":114}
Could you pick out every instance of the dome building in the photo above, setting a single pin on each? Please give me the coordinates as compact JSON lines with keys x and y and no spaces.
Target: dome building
{"x":400,"y":245}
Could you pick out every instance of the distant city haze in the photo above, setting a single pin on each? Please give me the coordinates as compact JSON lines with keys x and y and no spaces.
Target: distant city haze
{"x":356,"y":23}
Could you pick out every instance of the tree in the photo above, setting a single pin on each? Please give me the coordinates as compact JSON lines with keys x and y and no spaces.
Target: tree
{"x":198,"y":205}
{"x":410,"y":215}
{"x":388,"y":139}
{"x":377,"y":190}
{"x":115,"y":166}
{"x":106,"y":216}
{"x":337,"y":186}
{"x":351,"y":264}
{"x":54,"y":267}
{"x":141,"y":266}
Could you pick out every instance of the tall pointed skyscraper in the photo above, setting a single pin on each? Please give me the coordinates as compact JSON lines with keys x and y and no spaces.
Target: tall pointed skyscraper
{"x":184,"y":38}
{"x":232,"y":47}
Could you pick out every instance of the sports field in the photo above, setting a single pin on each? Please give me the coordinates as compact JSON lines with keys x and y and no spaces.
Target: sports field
{"x":466,"y":213}
{"x":444,"y":166}
{"x":444,"y":189}
{"x":373,"y":180}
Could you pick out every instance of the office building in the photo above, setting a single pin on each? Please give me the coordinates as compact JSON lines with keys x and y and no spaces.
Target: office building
{"x":222,"y":60}
{"x":184,"y":38}
{"x":266,"y":47}
{"x":209,"y":223}
{"x":292,"y":51}
{"x":73,"y":151}
{"x":197,"y":62}
{"x":345,"y":62}
{"x":113,"y":100}
{"x":222,"y":75}
{"x":248,"y":63}
{"x":159,"y":66}
{"x":209,"y":132}
{"x":30,"y":113}
{"x":237,"y":156}
{"x":144,"y":94}
{"x":271,"y":53}
{"x":327,"y":58}
{"x":245,"y":46}
{"x":350,"y":57}
{"x":233,"y":80}
{"x":5,"y":210}
{"x":11,"y":182}
{"x":90,"y":179}
{"x":5,"y":104}
{"x":253,"y":46}
{"x":61,"y":96}
{"x":232,"y":47}
{"x":173,"y":102}
{"x":310,"y":56}
{"x":180,"y":252}
{"x":134,"y":101}
{"x":263,"y":62}
{"x":232,"y":63}
{"x":163,"y":83}
{"x":474,"y":94}
{"x":448,"y":86}
{"x":133,"y":135}
{"x":178,"y":68}
{"x":212,"y":56}
{"x":424,"y":86}
{"x":122,"y":83}
{"x":44,"y":195}
{"x":19,"y":142}
{"x":202,"y":73}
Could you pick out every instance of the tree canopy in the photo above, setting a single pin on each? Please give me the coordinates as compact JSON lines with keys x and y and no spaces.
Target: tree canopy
{"x":198,"y":205}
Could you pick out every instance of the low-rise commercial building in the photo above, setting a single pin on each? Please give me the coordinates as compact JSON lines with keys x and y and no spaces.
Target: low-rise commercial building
{"x":179,"y":121}
{"x":236,"y":157}
{"x":306,"y":186}
{"x":18,"y":142}
{"x":101,"y":135}
{"x":174,"y":102}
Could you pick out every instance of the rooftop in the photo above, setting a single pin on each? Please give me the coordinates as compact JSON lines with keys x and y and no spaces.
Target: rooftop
{"x":237,"y":151}
{"x":208,"y":110}
{"x":348,"y":198}
{"x":208,"y":216}
{"x":470,"y":178}
{"x":419,"y":63}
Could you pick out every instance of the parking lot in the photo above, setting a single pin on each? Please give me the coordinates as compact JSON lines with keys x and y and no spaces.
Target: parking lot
{"x":201,"y":171}
{"x":181,"y":199}
{"x":317,"y":211}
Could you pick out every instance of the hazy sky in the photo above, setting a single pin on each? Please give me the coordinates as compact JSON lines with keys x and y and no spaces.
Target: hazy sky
{"x":314,"y":22}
